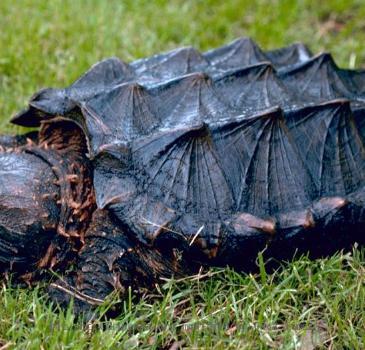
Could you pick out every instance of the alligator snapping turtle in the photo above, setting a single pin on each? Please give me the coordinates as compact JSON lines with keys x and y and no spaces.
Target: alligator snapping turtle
{"x":183,"y":159}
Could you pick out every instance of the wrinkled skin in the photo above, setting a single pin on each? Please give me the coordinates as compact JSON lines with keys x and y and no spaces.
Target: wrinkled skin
{"x":183,"y":160}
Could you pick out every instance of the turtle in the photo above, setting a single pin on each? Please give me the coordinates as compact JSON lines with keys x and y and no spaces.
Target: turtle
{"x":158,"y":167}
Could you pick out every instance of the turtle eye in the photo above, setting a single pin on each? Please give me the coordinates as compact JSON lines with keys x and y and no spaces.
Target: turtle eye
{"x":28,"y":210}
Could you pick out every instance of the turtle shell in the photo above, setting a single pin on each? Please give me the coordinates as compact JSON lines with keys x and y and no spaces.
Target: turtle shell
{"x":219,"y":153}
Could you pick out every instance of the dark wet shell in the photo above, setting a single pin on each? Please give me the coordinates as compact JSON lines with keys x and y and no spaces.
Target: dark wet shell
{"x":217,"y":149}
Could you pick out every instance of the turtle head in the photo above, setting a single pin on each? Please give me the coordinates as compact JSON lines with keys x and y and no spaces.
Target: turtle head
{"x":28,"y":209}
{"x":46,"y":198}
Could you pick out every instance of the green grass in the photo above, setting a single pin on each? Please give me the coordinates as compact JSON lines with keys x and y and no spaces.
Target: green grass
{"x":318,"y":303}
{"x":305,"y":304}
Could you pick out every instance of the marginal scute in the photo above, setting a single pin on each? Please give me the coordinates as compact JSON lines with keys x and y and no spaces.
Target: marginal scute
{"x":241,"y":221}
{"x":330,"y":203}
{"x":330,"y":212}
{"x":147,"y":217}
{"x":296,"y":219}
{"x":113,"y":186}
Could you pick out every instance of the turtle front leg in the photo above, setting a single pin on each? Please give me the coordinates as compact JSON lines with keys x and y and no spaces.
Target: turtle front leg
{"x":110,"y":261}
